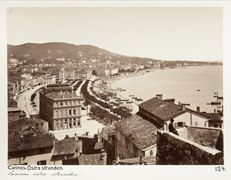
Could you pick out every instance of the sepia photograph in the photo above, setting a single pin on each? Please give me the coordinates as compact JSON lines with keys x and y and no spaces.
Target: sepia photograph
{"x":115,"y":85}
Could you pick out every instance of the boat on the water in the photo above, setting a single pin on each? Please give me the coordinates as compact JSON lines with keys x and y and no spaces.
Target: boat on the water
{"x":215,"y":103}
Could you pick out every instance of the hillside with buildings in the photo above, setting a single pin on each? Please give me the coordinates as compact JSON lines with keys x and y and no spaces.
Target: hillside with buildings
{"x":55,"y":52}
{"x":59,"y":52}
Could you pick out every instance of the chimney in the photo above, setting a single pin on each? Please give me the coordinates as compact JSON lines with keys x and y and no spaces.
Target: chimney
{"x":198,"y":109}
{"x":87,"y":133}
{"x":172,"y":100}
{"x":159,"y":96}
{"x":76,"y":136}
{"x":183,"y":106}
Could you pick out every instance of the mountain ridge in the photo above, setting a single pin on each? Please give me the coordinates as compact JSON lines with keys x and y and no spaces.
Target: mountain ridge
{"x":50,"y":51}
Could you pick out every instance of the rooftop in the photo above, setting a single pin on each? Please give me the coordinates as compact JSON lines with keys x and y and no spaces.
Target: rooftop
{"x":67,"y":146}
{"x":18,"y":125}
{"x":209,"y":137}
{"x":57,"y":88}
{"x":214,"y":116}
{"x":163,"y":110}
{"x":14,"y":109}
{"x":93,"y":159}
{"x":140,"y":131}
{"x":30,"y":142}
{"x":62,"y":95}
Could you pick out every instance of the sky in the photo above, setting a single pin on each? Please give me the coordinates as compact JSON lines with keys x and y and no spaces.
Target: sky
{"x":166,"y":33}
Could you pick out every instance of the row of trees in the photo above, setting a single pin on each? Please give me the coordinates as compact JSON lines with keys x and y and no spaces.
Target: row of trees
{"x":102,"y":115}
{"x":121,"y":111}
{"x":77,"y":85}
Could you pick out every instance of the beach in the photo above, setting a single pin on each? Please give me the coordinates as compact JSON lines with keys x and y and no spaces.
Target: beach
{"x":192,"y":85}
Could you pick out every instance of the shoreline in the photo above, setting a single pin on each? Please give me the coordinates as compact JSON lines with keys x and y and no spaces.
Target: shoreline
{"x":127,"y":94}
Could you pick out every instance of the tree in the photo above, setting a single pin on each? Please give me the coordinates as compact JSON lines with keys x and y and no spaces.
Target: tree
{"x":94,"y":73}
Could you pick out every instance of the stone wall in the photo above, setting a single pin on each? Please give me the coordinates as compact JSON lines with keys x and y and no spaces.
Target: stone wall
{"x":175,"y":150}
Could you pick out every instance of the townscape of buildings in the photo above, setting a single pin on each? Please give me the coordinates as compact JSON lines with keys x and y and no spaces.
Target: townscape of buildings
{"x":45,"y":100}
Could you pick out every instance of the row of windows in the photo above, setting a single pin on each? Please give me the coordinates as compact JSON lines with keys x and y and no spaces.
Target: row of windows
{"x":67,"y":103}
{"x":67,"y":123}
{"x":65,"y":113}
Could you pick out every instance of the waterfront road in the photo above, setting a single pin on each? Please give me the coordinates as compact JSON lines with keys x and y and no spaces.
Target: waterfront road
{"x":24,"y":101}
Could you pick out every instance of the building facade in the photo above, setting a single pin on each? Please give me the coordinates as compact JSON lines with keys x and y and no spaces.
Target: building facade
{"x":160,"y":112}
{"x":61,"y":107}
{"x":135,"y":137}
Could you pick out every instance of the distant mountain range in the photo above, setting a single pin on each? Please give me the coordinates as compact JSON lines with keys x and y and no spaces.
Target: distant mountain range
{"x":50,"y":52}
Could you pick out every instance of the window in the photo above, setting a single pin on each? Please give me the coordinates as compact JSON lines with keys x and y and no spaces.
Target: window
{"x":61,"y":113}
{"x":127,"y":142}
{"x":78,"y":111}
{"x":41,"y":124}
{"x":56,"y":113}
{"x":66,"y":103}
{"x":151,"y":153}
{"x":42,"y":162}
{"x":61,"y":103}
{"x":70,"y":112}
{"x":215,"y":125}
{"x":135,"y":151}
{"x":180,"y":124}
{"x":74,"y":111}
{"x":65,"y":112}
{"x":79,"y":123}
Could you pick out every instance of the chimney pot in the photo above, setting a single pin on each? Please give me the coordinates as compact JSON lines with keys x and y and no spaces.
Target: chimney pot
{"x":198,"y":108}
{"x":159,"y":96}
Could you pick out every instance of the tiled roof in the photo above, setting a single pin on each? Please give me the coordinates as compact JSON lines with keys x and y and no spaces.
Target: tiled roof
{"x":13,"y":109}
{"x":17,"y":125}
{"x":93,"y":159}
{"x":162,"y":109}
{"x":67,"y":146}
{"x":12,"y":103}
{"x":58,"y":89}
{"x":29,"y":142}
{"x":214,"y":116}
{"x":210,"y":137}
{"x":62,"y":95}
{"x":140,"y":131}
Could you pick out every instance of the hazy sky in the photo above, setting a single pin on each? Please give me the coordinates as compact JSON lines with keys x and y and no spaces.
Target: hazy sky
{"x":155,"y":32}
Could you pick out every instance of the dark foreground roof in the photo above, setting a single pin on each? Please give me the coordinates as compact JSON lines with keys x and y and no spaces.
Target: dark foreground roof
{"x":29,"y":142}
{"x":67,"y":146}
{"x":163,"y":110}
{"x":140,"y":131}
{"x":93,"y":159}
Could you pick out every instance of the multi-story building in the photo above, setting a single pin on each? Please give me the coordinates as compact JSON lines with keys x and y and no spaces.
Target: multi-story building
{"x":60,"y":106}
{"x":15,"y":114}
{"x":160,"y":112}
{"x":135,"y":137}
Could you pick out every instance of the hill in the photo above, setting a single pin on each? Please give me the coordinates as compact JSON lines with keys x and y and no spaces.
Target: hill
{"x":50,"y":52}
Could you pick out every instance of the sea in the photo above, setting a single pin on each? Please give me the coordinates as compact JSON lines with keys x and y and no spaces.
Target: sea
{"x":196,"y":85}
